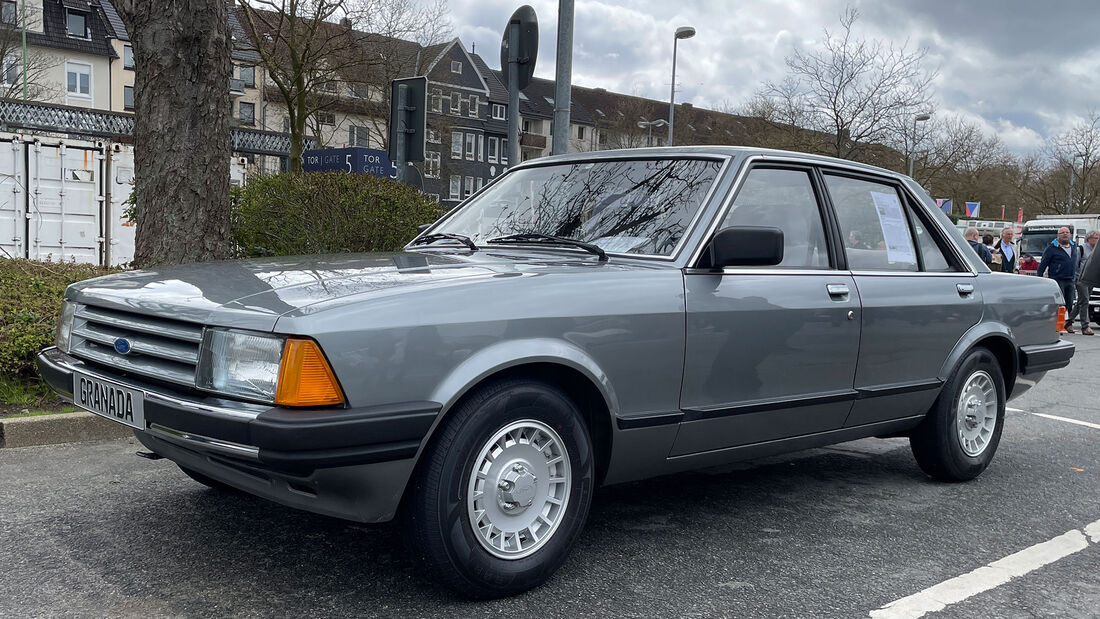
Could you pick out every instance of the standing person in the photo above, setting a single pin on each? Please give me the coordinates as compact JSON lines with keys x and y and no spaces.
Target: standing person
{"x":1081,"y":310}
{"x":1060,"y":260}
{"x":971,"y":236}
{"x":1007,"y":252}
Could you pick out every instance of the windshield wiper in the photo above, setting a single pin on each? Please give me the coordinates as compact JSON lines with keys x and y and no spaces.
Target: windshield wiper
{"x":438,"y":236}
{"x":538,"y":237}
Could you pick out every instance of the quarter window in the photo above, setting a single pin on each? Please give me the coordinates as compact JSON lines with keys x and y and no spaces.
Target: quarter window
{"x":784,"y":199}
{"x":873,"y":224}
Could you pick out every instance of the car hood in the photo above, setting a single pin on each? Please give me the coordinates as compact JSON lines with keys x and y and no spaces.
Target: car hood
{"x":253,"y":294}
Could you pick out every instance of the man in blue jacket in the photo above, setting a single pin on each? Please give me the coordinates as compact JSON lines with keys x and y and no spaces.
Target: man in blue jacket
{"x":1060,"y":260}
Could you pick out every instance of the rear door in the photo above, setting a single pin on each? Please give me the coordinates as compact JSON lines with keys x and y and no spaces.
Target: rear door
{"x":771,"y":352}
{"x":918,"y":298}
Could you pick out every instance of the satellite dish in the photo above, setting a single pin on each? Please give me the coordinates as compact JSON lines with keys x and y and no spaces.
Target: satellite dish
{"x":528,"y":45}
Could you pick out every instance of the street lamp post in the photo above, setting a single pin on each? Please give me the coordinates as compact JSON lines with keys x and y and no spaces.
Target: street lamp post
{"x":916,"y":119}
{"x":1072,"y":169}
{"x":660,"y":122}
{"x":683,"y":32}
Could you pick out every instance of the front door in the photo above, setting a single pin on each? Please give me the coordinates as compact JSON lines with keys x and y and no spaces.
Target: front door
{"x":771,"y":352}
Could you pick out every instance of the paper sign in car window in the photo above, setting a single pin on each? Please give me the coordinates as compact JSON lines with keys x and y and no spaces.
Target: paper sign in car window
{"x":891,"y":218}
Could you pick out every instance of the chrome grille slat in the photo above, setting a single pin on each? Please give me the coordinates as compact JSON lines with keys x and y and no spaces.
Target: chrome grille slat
{"x":160,"y":348}
{"x":136,"y":322}
{"x":152,"y":367}
{"x":144,"y":344}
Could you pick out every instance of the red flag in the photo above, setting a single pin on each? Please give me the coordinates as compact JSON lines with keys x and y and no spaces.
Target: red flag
{"x":1020,"y":215}
{"x":1002,"y":212}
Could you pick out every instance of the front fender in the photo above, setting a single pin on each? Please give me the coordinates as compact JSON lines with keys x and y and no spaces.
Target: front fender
{"x":503,"y":355}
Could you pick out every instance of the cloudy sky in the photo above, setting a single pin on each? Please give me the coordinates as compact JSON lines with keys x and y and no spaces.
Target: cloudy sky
{"x":1023,"y":70}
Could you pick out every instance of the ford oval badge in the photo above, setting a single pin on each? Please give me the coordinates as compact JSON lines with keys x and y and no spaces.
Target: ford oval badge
{"x":122,"y":346}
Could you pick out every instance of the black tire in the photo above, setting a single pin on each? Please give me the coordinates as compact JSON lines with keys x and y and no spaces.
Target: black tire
{"x":936,"y":442}
{"x":207,"y":481}
{"x":437,"y":520}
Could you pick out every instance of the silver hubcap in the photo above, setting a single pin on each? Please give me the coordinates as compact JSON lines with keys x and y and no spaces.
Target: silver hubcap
{"x":976,"y":413}
{"x":519,"y":489}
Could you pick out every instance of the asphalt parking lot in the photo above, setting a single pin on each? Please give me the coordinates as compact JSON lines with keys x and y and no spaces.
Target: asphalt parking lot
{"x":90,"y":529}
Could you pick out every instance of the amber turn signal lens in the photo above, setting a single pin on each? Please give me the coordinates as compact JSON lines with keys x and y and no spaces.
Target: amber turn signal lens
{"x":305,"y":378}
{"x":1060,"y":321}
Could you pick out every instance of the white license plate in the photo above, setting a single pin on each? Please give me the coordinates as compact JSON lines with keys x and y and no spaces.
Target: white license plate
{"x":109,"y":400}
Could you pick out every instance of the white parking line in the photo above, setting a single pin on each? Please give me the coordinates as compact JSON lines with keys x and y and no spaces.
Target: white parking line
{"x":957,"y":589}
{"x":1087,"y":424}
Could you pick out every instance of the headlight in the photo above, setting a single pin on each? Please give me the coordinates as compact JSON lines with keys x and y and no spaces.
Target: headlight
{"x":288,"y":371}
{"x":65,"y":326}
{"x":239,"y":363}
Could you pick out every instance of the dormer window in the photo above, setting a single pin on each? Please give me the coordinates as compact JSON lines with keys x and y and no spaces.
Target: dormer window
{"x":76,"y":24}
{"x":456,"y":67}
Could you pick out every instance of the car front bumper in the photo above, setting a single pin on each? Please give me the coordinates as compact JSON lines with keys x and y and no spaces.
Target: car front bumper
{"x":350,"y":463}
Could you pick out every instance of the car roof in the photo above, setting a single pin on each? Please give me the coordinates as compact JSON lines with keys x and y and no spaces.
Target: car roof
{"x":726,"y":151}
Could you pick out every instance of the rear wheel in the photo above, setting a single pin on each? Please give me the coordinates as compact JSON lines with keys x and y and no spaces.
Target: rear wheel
{"x":958,"y":438}
{"x":504,"y":489}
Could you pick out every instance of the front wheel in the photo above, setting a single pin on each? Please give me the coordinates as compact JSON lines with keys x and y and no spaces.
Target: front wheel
{"x":958,"y":438}
{"x":504,"y":489}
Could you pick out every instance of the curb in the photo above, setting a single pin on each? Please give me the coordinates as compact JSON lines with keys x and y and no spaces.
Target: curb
{"x":59,"y":428}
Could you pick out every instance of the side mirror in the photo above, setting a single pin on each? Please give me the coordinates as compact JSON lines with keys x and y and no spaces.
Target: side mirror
{"x":746,"y":246}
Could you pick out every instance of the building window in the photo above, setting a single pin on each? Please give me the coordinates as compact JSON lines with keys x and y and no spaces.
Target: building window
{"x":435,"y":102}
{"x":475,"y":103}
{"x":9,"y":12}
{"x":431,"y":164}
{"x":456,"y":103}
{"x":481,"y":148}
{"x":527,"y":126}
{"x":456,"y":67}
{"x":128,"y":57}
{"x":504,"y":151}
{"x":128,"y":97}
{"x":358,"y":136}
{"x":434,"y":197}
{"x":247,"y":113}
{"x":470,"y":146}
{"x":499,"y":112}
{"x":76,"y":24}
{"x":456,"y":187}
{"x":480,"y":183}
{"x":580,"y":133}
{"x":492,"y":148}
{"x":464,"y":109}
{"x":326,"y":118}
{"x":10,"y":70}
{"x":248,"y":76}
{"x":78,"y":80}
{"x":330,"y":86}
{"x":359,"y":90}
{"x":469,"y":189}
{"x":433,"y":136}
{"x":456,"y":145}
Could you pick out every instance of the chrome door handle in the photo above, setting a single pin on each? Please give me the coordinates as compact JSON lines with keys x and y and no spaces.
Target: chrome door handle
{"x":965,"y":289}
{"x":837,"y":290}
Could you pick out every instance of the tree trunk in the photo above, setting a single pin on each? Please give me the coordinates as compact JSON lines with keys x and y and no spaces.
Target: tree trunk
{"x":181,"y":129}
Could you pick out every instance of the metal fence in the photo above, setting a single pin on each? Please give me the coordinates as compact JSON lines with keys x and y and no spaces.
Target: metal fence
{"x":21,"y":116}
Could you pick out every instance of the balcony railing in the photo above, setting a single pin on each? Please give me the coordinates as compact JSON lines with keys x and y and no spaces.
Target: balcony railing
{"x":532,"y":140}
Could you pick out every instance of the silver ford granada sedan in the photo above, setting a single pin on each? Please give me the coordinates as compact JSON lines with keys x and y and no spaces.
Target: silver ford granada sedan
{"x":585,"y":319}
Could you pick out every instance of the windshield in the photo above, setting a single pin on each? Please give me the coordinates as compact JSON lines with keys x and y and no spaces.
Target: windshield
{"x":622,"y":206}
{"x":1035,"y":243}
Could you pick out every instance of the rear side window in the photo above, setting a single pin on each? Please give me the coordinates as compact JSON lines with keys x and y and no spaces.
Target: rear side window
{"x":873,"y":224}
{"x":931,"y":254}
{"x":784,"y":199}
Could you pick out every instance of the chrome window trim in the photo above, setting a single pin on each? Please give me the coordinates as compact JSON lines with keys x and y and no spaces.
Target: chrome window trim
{"x":914,"y":273}
{"x":704,"y":204}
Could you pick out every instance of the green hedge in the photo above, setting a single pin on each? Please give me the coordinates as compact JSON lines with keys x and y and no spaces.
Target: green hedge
{"x":29,"y":306}
{"x":326,"y":212}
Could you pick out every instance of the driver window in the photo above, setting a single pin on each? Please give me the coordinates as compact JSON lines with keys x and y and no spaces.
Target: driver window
{"x":783,"y":199}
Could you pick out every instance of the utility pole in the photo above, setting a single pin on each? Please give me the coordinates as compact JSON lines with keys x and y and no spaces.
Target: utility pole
{"x":24,"y":51}
{"x":563,"y":78}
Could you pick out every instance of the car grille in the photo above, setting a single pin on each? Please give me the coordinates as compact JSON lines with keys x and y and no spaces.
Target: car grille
{"x":159,"y":348}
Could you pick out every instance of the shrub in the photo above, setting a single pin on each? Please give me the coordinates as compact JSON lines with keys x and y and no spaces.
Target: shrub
{"x":29,"y":305}
{"x":326,"y":212}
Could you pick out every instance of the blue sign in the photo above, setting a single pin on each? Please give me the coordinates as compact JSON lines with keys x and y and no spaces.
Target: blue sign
{"x":357,"y":160}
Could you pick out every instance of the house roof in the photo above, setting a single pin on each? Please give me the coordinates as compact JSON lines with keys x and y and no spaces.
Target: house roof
{"x":114,"y":21}
{"x":54,"y":33}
